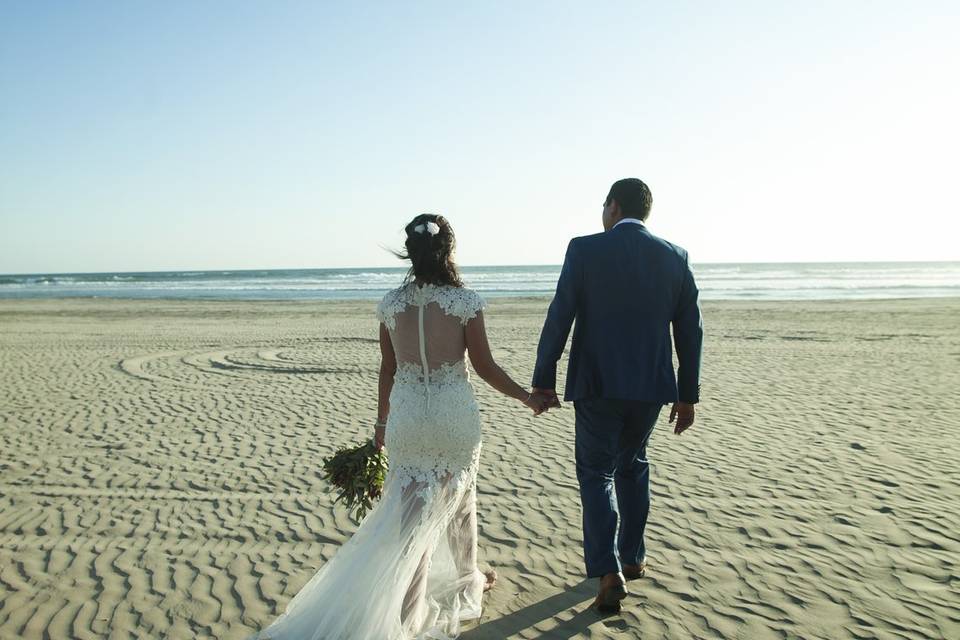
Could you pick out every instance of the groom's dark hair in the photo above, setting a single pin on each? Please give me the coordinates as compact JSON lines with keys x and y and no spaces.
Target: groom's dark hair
{"x":633,"y":196}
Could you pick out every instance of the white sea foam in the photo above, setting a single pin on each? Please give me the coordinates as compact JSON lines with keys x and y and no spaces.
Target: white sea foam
{"x":716,"y":282}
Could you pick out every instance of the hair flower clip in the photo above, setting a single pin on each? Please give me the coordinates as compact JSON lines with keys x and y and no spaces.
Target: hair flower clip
{"x":431,"y":227}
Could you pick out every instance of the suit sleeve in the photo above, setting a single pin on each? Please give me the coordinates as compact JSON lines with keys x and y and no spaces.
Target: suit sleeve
{"x":688,"y":337}
{"x":556,"y":328}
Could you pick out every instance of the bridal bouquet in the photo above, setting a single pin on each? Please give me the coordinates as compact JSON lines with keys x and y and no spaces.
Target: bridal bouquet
{"x":358,"y":473}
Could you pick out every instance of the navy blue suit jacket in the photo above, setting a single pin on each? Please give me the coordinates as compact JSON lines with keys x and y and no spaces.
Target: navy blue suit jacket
{"x":625,"y":288}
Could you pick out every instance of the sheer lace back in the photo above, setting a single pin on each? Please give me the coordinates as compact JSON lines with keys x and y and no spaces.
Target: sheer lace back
{"x":426,"y":327}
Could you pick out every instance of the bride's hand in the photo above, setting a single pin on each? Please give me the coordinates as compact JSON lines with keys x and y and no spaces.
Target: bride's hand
{"x":379,"y":435}
{"x":536,"y":403}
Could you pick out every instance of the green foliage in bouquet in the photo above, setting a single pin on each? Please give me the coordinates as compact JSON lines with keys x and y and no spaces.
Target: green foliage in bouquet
{"x":358,"y":473}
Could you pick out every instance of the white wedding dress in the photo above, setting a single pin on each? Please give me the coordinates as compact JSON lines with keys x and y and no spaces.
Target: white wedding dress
{"x":410,"y":570}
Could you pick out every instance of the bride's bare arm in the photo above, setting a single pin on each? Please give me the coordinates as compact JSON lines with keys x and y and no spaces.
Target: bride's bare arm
{"x":388,"y":368}
{"x":487,"y":368}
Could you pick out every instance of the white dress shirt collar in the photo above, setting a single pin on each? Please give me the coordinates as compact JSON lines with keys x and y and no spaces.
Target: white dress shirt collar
{"x":628,"y":221}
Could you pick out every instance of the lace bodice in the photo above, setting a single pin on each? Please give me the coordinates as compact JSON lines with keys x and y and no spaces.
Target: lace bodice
{"x":427,"y":329}
{"x":445,"y":374}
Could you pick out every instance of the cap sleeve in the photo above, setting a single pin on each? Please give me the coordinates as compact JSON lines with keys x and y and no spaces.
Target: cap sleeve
{"x":470,"y":305}
{"x":387,"y":309}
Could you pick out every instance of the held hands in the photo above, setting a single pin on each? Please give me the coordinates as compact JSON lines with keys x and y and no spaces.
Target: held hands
{"x":536,"y":403}
{"x":541,"y":400}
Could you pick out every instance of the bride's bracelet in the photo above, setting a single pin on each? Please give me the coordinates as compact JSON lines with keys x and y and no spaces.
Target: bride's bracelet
{"x":379,"y":425}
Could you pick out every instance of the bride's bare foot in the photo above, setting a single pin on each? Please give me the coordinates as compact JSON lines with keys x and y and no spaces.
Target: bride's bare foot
{"x":491,"y":580}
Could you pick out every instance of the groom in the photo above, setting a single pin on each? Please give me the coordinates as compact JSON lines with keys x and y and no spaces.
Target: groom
{"x":625,"y":288}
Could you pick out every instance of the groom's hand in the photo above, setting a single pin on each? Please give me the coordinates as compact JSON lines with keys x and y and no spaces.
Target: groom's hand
{"x":550,"y":395}
{"x":684,"y":414}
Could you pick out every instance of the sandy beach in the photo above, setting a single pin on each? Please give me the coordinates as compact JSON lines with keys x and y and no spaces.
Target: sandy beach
{"x":159,"y":472}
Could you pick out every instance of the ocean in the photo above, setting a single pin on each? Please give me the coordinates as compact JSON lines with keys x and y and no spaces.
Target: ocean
{"x":750,"y":281}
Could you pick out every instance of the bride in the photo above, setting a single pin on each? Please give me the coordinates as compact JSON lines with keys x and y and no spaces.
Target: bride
{"x":410,"y":571}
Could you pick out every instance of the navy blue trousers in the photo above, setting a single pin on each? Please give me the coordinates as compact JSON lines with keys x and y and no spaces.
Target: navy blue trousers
{"x":614,"y":477}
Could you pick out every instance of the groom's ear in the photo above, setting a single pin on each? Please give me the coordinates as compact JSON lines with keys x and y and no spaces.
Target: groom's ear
{"x":616,"y":213}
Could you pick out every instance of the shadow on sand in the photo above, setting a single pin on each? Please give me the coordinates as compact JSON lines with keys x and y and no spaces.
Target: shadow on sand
{"x":577,"y":598}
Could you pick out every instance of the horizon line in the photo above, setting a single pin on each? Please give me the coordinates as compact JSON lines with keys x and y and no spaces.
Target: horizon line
{"x":467,"y":266}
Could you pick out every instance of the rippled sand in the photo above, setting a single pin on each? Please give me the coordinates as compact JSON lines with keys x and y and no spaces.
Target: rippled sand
{"x":159,"y":473}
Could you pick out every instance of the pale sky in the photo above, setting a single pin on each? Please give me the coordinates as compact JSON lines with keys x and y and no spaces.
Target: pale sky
{"x":226,"y":135}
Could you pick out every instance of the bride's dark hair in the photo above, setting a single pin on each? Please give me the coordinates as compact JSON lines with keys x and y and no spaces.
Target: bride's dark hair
{"x":431,"y":255}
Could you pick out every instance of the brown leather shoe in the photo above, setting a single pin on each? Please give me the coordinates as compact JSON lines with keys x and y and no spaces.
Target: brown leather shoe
{"x":613,"y":589}
{"x":635,"y":571}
